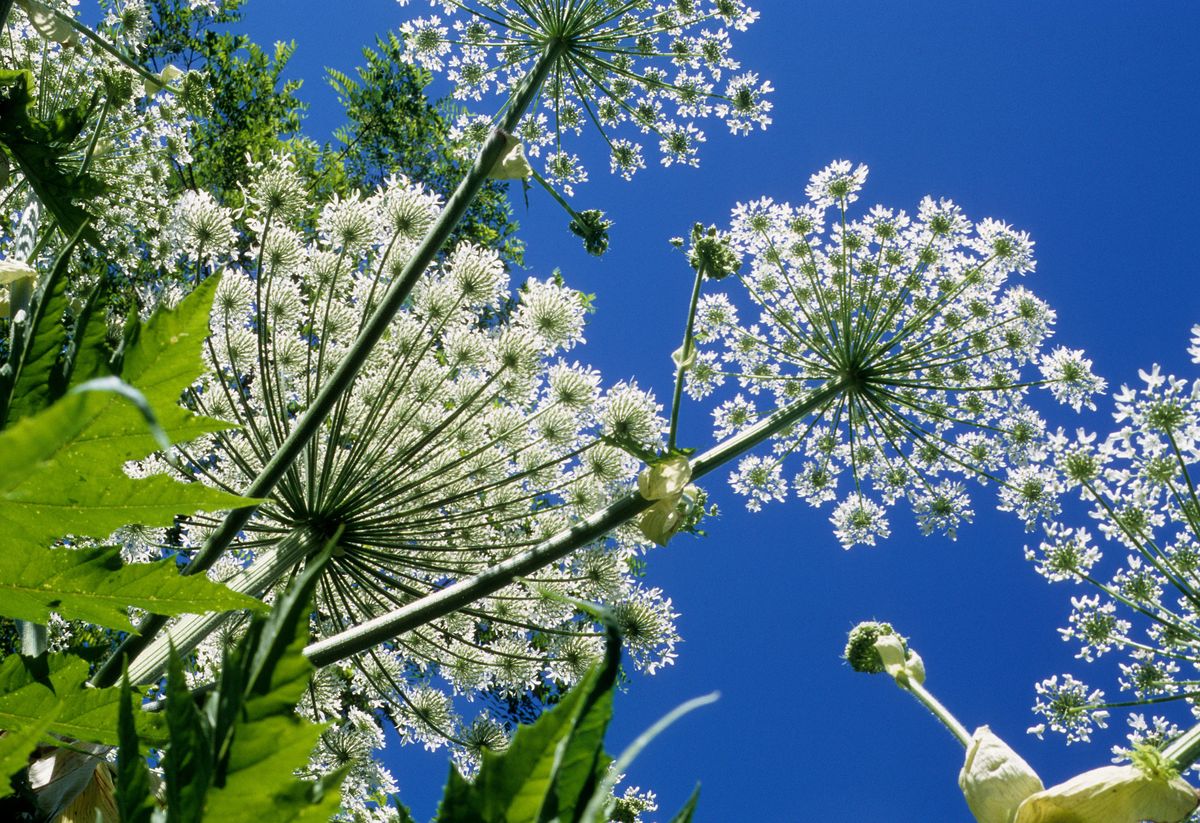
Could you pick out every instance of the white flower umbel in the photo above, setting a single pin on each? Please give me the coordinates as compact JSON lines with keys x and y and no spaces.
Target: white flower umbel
{"x":464,"y":440}
{"x":1140,"y":555}
{"x":638,"y":71}
{"x":912,"y":322}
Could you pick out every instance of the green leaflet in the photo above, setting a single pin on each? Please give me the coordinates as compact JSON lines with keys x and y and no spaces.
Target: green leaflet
{"x":63,"y":468}
{"x":95,"y":586}
{"x":234,"y":757}
{"x":38,"y":377}
{"x":63,"y":475}
{"x":135,"y":799}
{"x":32,"y":690}
{"x":555,"y":769}
{"x":15,"y":747}
{"x":549,"y":763}
{"x":689,"y":808}
{"x":267,"y":742}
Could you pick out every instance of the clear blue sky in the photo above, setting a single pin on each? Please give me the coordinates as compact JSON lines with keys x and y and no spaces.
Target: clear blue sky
{"x":1074,"y":121}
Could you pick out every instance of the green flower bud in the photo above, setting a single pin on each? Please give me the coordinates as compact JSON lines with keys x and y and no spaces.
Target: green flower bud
{"x":712,"y":253}
{"x":860,"y":651}
{"x":593,"y":228}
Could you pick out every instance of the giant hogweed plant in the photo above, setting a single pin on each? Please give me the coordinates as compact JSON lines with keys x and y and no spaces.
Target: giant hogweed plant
{"x":901,"y":343}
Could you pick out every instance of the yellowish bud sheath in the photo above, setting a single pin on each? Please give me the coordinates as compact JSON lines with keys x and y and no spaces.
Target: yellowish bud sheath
{"x":995,"y":779}
{"x":512,"y":165}
{"x":667,"y":478}
{"x":165,"y":78}
{"x":13,"y":270}
{"x":1111,"y":794}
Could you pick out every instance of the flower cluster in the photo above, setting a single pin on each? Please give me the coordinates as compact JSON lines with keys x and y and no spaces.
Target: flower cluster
{"x":129,"y":137}
{"x":901,"y":336}
{"x":1139,"y":484}
{"x":466,"y":439}
{"x":637,"y":71}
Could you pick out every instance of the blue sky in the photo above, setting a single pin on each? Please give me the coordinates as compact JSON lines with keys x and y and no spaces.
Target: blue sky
{"x":1074,"y":121}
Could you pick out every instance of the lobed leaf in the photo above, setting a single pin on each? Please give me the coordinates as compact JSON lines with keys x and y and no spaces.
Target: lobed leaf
{"x":95,"y":586}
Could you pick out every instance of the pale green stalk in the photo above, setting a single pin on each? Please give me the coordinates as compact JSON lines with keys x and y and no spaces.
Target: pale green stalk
{"x":682,"y":366}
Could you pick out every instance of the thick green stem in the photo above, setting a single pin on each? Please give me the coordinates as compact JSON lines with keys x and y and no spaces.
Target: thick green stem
{"x":1184,"y":750}
{"x":256,"y":580}
{"x":591,"y":528}
{"x":682,"y":366}
{"x":343,"y":377}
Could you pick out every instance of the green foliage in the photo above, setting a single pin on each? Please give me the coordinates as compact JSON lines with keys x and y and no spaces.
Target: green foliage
{"x":94,"y":585}
{"x":51,"y":692}
{"x":232,"y":754}
{"x":554,"y":768}
{"x":38,"y":146}
{"x":393,"y":128}
{"x":65,"y":465}
{"x":15,"y":746}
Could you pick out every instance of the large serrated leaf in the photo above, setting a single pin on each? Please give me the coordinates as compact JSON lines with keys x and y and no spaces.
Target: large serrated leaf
{"x":63,"y":468}
{"x":93,"y":585}
{"x":63,"y":474}
{"x":34,"y":689}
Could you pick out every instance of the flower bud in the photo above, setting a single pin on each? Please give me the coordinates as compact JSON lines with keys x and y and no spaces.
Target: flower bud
{"x":995,"y":779}
{"x":165,"y":77}
{"x":1112,"y":794}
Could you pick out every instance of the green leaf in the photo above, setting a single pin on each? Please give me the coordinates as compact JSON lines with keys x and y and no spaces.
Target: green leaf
{"x":42,"y":148}
{"x":135,"y":800}
{"x":188,"y":767}
{"x":15,"y":747}
{"x":514,"y":785}
{"x":689,"y":808}
{"x":89,"y":354}
{"x":32,"y":689}
{"x":164,"y":357}
{"x":95,"y":586}
{"x":269,"y":741}
{"x":64,"y":467}
{"x":64,"y":475}
{"x":585,"y":762}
